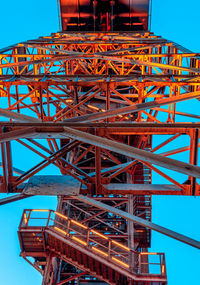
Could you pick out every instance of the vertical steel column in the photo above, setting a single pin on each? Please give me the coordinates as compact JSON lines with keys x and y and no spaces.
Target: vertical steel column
{"x":194,"y":141}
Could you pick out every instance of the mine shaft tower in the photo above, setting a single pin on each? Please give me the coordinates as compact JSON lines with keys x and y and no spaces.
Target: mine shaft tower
{"x":93,"y":100}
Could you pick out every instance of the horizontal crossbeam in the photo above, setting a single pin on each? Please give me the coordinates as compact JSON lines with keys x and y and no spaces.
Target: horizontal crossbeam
{"x":133,"y":152}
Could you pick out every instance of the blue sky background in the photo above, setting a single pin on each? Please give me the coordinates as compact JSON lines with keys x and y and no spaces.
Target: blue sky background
{"x":175,"y":20}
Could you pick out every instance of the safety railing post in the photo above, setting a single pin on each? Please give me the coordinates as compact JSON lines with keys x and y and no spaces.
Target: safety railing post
{"x":139,"y":264}
{"x":68,"y":227}
{"x":88,"y":237}
{"x":28,"y":218}
{"x":131,"y":259}
{"x":48,"y":219}
{"x":109,"y":249}
{"x":163,"y":264}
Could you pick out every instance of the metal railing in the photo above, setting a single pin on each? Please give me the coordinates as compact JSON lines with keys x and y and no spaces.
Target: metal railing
{"x":141,"y":263}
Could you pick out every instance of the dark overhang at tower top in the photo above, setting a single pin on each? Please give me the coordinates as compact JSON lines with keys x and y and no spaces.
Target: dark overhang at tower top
{"x":104,"y":15}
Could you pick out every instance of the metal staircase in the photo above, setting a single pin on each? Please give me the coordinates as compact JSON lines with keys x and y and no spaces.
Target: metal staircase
{"x":47,"y":232}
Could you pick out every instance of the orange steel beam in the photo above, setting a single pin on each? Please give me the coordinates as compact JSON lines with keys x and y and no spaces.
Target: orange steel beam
{"x":135,"y":108}
{"x":130,"y":189}
{"x":116,"y":82}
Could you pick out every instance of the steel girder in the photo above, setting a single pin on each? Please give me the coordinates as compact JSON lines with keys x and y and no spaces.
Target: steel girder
{"x":119,"y":89}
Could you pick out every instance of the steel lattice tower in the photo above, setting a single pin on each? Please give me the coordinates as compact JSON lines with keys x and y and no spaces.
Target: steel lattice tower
{"x":92,"y":101}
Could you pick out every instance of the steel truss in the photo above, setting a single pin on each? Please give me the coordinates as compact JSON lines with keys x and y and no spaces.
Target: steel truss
{"x":91,"y":104}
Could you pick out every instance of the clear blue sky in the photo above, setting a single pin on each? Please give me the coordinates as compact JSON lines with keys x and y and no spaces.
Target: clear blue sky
{"x":175,"y":20}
